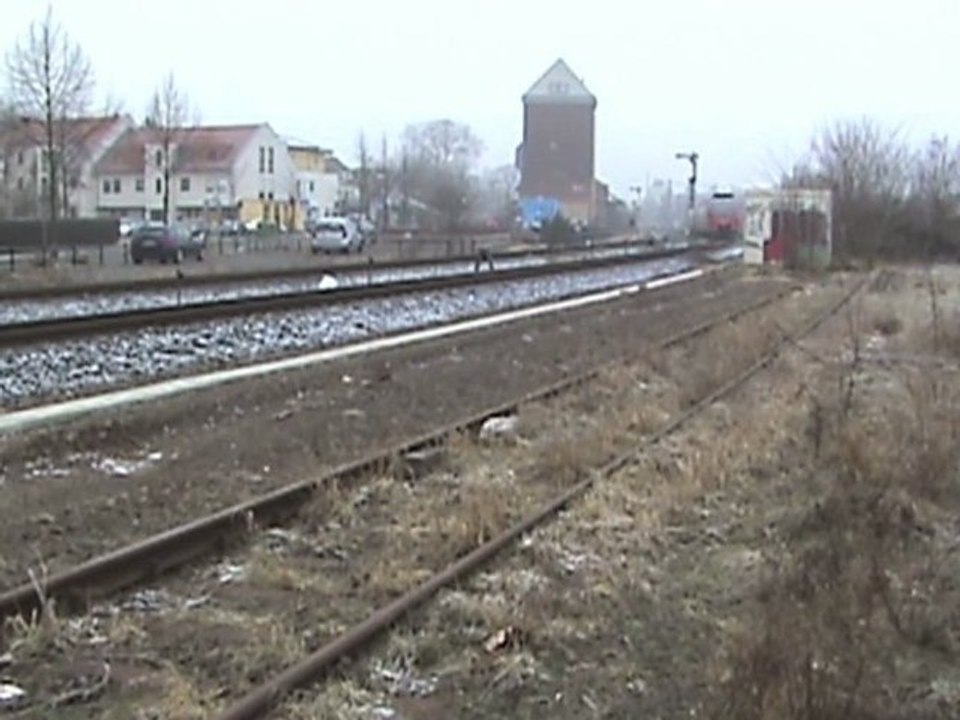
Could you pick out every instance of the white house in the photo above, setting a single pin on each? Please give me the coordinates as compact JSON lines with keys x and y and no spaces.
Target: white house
{"x":80,"y":143}
{"x":234,"y":171}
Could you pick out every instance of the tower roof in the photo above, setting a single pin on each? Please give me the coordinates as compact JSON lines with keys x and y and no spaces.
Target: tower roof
{"x":559,"y":84}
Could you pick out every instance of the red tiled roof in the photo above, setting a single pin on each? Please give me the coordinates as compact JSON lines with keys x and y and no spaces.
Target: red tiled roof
{"x":199,"y":149}
{"x":83,"y":133}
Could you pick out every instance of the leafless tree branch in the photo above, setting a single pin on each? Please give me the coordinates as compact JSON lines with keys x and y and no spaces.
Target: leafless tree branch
{"x":168,"y":113}
{"x":51,"y":81}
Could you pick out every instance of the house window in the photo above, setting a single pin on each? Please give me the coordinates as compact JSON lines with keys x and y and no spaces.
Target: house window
{"x":20,"y":158}
{"x":159,"y":185}
{"x":116,"y":185}
{"x":74,"y":182}
{"x":159,"y":158}
{"x":262,"y":156}
{"x":43,"y":184}
{"x":138,"y":184}
{"x":270,"y":195}
{"x":261,"y":195}
{"x":298,"y":187}
{"x":106,"y":187}
{"x":270,"y":162}
{"x":311,"y":185}
{"x":184,"y":184}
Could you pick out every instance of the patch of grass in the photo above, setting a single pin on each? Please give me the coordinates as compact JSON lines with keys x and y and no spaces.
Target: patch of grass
{"x":268,"y":569}
{"x":859,"y":595}
{"x":887,"y":323}
{"x":343,"y":699}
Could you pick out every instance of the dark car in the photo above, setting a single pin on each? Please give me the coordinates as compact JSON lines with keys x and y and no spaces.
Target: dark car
{"x":166,"y":243}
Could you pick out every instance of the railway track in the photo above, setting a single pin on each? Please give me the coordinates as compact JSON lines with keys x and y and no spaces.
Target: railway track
{"x":175,"y":548}
{"x":265,"y":697}
{"x":76,"y":587}
{"x":276,"y":506}
{"x":200,"y":279}
{"x":65,"y":328}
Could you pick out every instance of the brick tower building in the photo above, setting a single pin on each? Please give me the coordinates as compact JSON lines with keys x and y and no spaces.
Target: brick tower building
{"x":556,"y":158}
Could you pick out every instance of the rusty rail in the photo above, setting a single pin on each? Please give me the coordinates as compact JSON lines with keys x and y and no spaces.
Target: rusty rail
{"x":78,"y":586}
{"x":262,"y":699}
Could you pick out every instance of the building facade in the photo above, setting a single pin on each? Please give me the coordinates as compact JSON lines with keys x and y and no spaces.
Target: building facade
{"x":318,"y":186}
{"x":239,"y":172}
{"x":556,"y":157}
{"x":79,"y":144}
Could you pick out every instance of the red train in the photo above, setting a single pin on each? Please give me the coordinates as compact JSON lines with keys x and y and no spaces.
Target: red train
{"x":720,"y":216}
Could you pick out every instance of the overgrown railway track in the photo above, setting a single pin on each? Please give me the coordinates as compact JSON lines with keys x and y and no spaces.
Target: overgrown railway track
{"x":76,"y":587}
{"x":262,"y":699}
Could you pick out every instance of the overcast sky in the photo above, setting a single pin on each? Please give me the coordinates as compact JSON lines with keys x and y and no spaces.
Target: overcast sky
{"x":744,"y":82}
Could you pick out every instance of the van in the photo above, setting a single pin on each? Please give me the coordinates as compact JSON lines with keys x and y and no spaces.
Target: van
{"x":335,"y":234}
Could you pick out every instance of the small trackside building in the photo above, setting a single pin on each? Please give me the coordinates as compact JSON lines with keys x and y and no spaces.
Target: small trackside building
{"x":791,"y":227}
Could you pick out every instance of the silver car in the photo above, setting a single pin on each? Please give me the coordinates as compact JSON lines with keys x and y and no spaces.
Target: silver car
{"x":335,"y":235}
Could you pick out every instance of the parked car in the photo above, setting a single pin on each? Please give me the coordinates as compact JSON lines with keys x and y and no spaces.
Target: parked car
{"x":166,"y":243}
{"x":336,"y":234}
{"x":231,"y":227}
{"x":199,"y":232}
{"x":128,"y":226}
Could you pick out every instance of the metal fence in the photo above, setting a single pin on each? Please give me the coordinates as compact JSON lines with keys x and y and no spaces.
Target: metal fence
{"x":114,"y":253}
{"x":35,"y":234}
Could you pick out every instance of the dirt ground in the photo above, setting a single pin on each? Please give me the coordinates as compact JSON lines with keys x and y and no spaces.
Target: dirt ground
{"x":71,"y":493}
{"x":186,"y":648}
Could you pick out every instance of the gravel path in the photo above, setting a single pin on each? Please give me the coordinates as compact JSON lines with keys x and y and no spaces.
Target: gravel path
{"x":77,"y":367}
{"x":21,"y":311}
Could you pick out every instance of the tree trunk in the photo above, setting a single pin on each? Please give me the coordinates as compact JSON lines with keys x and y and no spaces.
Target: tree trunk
{"x":166,"y":181}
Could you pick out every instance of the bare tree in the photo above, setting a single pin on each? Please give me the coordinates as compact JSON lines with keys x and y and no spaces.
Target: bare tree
{"x":440,"y":158}
{"x":932,"y":214}
{"x":443,"y":143}
{"x":7,"y":125}
{"x":363,"y":174}
{"x":499,"y":193}
{"x":385,"y":178}
{"x":168,"y":114}
{"x":867,"y":168}
{"x":51,"y":80}
{"x":889,"y":198}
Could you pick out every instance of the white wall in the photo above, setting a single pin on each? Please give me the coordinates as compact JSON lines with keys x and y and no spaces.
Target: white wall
{"x":250,"y":181}
{"x":318,"y":190}
{"x":127,"y":199}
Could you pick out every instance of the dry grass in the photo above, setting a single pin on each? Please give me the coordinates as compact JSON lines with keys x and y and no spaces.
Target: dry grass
{"x":180,"y":700}
{"x":857,"y":607}
{"x":726,"y":351}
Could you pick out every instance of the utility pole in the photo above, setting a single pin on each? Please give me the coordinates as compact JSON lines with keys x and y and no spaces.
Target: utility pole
{"x":634,"y":220}
{"x":693,"y":157}
{"x":385,"y":209}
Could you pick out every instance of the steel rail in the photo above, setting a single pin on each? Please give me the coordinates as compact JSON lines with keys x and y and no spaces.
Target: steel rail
{"x":59,"y":329}
{"x":258,"y":702}
{"x":284,"y":274}
{"x":76,"y":587}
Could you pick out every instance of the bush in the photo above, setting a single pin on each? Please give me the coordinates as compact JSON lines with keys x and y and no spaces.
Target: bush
{"x":558,"y":231}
